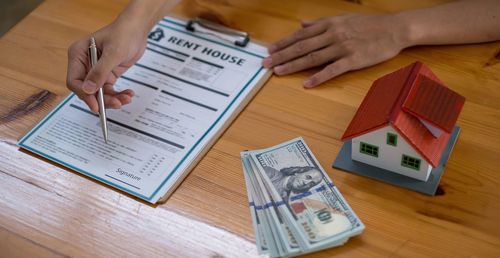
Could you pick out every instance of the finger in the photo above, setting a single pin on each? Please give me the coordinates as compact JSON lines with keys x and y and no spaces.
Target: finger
{"x":298,"y":35}
{"x":111,"y":79}
{"x":307,"y":23}
{"x":75,"y":86}
{"x":91,"y":101}
{"x":299,"y":49}
{"x":116,"y":101}
{"x":124,"y":98}
{"x":310,"y":60}
{"x":74,"y":78}
{"x":111,"y":101}
{"x":98,"y":74}
{"x":129,"y":92}
{"x":335,"y":69}
{"x":109,"y":90}
{"x":77,"y":69}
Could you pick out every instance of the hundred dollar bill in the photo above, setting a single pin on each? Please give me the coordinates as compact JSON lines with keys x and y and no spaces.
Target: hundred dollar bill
{"x":280,"y":241}
{"x":308,"y":200}
{"x":269,"y":242}
{"x":260,"y":238}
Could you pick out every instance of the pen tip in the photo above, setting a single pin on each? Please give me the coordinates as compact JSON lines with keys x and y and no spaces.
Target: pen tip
{"x":92,"y":40}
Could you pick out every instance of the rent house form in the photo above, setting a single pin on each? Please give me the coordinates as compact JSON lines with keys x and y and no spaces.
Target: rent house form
{"x":404,"y":122}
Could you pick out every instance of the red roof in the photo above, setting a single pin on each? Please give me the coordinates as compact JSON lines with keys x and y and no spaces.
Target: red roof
{"x":399,"y":98}
{"x":434,"y":103}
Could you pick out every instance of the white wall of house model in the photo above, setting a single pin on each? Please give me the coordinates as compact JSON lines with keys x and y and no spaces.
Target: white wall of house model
{"x":389,"y":157}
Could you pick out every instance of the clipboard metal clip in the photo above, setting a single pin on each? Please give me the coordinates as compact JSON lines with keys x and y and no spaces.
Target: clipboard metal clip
{"x":241,"y":40}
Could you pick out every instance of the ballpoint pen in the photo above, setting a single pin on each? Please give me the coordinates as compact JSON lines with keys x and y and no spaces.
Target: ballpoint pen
{"x":100,"y":96}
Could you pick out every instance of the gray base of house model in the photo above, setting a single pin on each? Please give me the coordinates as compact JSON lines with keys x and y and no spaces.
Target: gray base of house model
{"x":429,"y":187}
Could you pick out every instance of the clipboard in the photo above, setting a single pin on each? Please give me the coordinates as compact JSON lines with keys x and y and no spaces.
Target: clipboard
{"x":200,"y":25}
{"x":196,"y":26}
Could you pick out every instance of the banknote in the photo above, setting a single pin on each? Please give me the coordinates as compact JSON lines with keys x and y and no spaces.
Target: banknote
{"x":303,"y":209}
{"x":277,"y":232}
{"x":260,"y":238}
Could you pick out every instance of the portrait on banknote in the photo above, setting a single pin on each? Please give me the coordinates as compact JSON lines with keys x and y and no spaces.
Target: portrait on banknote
{"x":297,"y":180}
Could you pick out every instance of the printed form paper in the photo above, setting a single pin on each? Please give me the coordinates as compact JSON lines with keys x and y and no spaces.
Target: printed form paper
{"x":186,"y":86}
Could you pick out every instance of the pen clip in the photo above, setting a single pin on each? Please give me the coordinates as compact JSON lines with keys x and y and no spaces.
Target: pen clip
{"x":208,"y":25}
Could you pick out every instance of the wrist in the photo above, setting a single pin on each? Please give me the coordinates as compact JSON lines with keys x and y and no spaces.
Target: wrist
{"x":136,"y":18}
{"x":145,"y":14}
{"x":406,"y":33}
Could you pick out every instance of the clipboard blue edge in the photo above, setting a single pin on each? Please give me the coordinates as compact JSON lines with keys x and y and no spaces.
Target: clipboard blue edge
{"x":23,"y":139}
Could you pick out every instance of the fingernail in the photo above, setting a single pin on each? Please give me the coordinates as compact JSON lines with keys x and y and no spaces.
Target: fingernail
{"x":272,"y":48}
{"x":279,"y":69}
{"x":89,"y":87}
{"x":267,"y":62}
{"x":308,"y":83}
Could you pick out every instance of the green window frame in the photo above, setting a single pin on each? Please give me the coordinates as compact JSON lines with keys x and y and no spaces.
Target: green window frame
{"x":368,"y":149}
{"x":410,"y":162}
{"x":392,"y":139}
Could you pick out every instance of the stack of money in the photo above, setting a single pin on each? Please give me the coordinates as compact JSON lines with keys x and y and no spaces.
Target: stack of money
{"x":295,"y":207}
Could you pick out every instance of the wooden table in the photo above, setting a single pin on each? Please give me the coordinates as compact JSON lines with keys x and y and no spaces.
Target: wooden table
{"x":47,"y":210}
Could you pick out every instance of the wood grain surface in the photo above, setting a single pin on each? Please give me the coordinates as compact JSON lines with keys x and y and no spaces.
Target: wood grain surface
{"x":47,"y":210}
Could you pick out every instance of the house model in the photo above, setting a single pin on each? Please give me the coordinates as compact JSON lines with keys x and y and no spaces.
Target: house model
{"x":404,"y":123}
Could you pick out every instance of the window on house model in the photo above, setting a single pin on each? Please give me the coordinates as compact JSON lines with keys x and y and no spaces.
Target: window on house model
{"x":392,"y":139}
{"x":410,"y":162}
{"x":368,"y":149}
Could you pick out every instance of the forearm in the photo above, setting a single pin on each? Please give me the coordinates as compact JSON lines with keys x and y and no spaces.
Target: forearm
{"x":144,"y":14}
{"x":451,"y":23}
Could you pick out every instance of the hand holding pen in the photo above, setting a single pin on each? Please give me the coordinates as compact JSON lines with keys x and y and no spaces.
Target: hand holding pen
{"x":119,"y":44}
{"x":116,"y":55}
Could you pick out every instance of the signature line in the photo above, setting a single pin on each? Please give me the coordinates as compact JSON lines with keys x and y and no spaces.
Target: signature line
{"x":123,"y":182}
